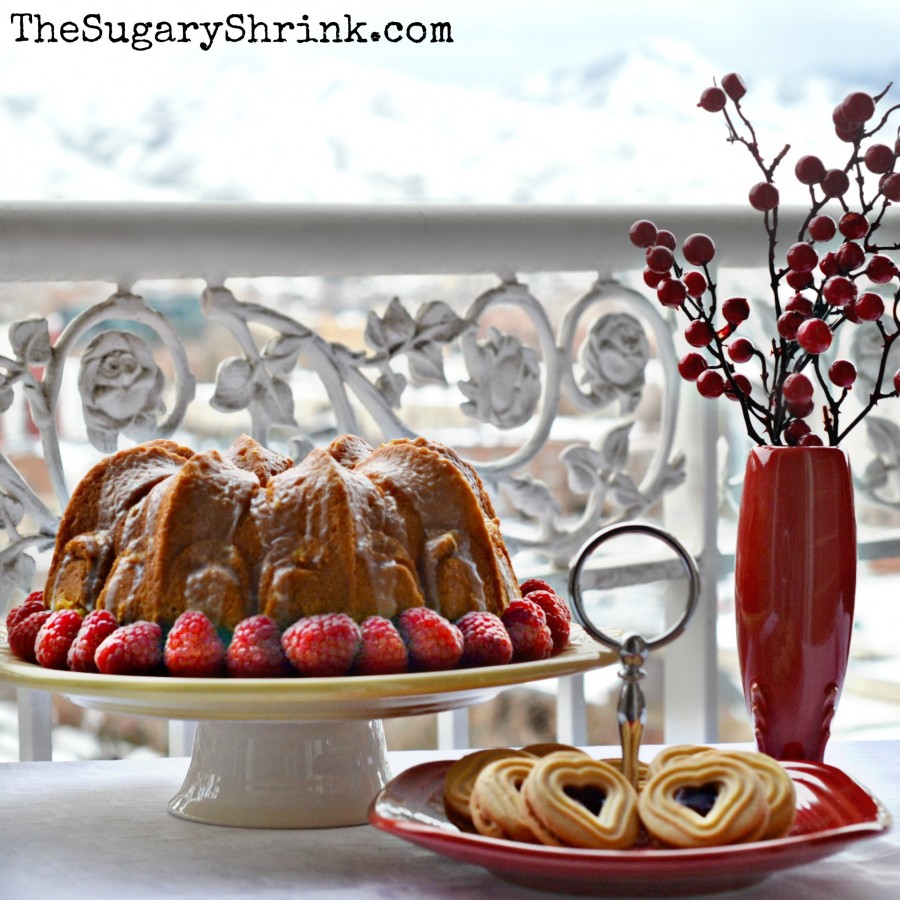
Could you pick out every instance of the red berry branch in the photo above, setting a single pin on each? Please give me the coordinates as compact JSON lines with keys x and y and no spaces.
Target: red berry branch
{"x":836,"y":274}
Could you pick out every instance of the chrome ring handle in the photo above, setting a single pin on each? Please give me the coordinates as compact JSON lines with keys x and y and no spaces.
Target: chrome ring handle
{"x":640,"y":528}
{"x":633,"y":648}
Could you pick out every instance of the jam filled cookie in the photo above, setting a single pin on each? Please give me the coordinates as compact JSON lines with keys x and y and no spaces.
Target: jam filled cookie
{"x":496,"y":806}
{"x":781,"y":795}
{"x":704,"y":800}
{"x":459,"y":780}
{"x":577,"y":801}
{"x":548,"y":747}
{"x":676,"y":751}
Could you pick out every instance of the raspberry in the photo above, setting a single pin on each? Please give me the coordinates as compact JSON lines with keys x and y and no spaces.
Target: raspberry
{"x":559,"y":619}
{"x":528,"y":630}
{"x":534,"y":584}
{"x":134,"y":649}
{"x":322,"y":645}
{"x":433,"y":643}
{"x":485,"y":641}
{"x":51,"y":646}
{"x":33,"y":603}
{"x":96,"y":627}
{"x":255,"y":650}
{"x":193,"y":649}
{"x":382,"y":651}
{"x":24,"y":633}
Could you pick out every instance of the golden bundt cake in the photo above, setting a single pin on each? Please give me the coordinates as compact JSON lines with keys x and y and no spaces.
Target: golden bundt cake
{"x":158,"y":529}
{"x":460,"y":557}
{"x":189,"y":544}
{"x":332,"y":542}
{"x":87,"y":533}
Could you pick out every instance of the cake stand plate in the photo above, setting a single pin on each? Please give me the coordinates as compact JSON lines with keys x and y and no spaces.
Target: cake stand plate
{"x":291,"y":752}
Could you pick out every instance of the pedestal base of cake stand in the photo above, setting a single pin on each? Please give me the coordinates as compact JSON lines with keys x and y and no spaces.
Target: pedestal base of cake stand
{"x":283,"y":774}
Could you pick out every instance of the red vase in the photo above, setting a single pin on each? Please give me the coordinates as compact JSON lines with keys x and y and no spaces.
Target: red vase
{"x":795,"y":583}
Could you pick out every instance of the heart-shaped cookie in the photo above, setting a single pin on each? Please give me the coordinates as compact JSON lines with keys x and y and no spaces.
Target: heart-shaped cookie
{"x":576,"y":801}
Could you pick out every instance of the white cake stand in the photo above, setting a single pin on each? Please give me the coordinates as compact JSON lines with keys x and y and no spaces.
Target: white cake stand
{"x":291,"y":752}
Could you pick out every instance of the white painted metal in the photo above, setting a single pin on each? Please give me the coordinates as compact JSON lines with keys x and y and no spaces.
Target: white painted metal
{"x":123,"y":243}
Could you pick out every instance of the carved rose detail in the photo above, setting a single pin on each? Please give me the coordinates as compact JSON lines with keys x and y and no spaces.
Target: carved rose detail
{"x":121,"y":389}
{"x":504,"y":383}
{"x":614,"y":358}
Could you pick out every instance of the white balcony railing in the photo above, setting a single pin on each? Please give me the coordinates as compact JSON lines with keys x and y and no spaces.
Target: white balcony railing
{"x":219,"y":251}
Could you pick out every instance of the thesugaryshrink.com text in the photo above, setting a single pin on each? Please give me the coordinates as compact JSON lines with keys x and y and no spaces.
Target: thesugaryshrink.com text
{"x":235,"y":28}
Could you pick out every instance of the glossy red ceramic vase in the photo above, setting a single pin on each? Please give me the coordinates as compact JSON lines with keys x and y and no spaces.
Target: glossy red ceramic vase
{"x":795,"y":583}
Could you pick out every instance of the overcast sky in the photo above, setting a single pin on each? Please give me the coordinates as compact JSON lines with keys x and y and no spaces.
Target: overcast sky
{"x":497,"y":42}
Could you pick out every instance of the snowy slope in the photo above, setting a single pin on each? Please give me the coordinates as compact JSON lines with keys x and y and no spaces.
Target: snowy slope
{"x":623,"y":129}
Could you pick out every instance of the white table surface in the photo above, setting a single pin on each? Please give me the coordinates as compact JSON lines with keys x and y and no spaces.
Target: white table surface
{"x":100,"y":830}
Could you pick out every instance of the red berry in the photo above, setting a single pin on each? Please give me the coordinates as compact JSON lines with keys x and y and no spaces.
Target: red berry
{"x":671,"y":292}
{"x":23,"y":634}
{"x":665,"y":238}
{"x":794,"y":430}
{"x":814,"y":336}
{"x":835,"y":183}
{"x":734,"y":86}
{"x":382,"y":651}
{"x":193,"y":649}
{"x":881,"y":269}
{"x":797,"y":388}
{"x":255,"y":650}
{"x":134,"y":649}
{"x":789,"y":323}
{"x":660,"y":259}
{"x":799,"y":280}
{"x":802,"y":258}
{"x":698,"y":333}
{"x":809,"y":170}
{"x":695,"y":282}
{"x":527,"y":626}
{"x":854,"y":226}
{"x":691,"y":366}
{"x":799,"y":303}
{"x":897,"y":382}
{"x":651,"y":278}
{"x":735,"y":310}
{"x":810,"y":440}
{"x":433,"y":643}
{"x":839,"y":291}
{"x":890,"y":187}
{"x":711,"y":384}
{"x":98,"y":625}
{"x":879,"y":159}
{"x":33,"y":603}
{"x":763,"y":196}
{"x":51,"y":646}
{"x":486,"y":642}
{"x":849,"y":256}
{"x":559,"y":618}
{"x":642,"y":233}
{"x":741,"y":386}
{"x":713,"y":99}
{"x":323,"y":645}
{"x":801,"y":408}
{"x":828,"y":264}
{"x":858,"y":107}
{"x":740,"y":350}
{"x":822,"y":228}
{"x":698,"y":249}
{"x":868,"y":307}
{"x":842,"y":373}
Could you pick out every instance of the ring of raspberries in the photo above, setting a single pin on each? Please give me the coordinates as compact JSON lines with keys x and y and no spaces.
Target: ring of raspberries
{"x":332,"y":644}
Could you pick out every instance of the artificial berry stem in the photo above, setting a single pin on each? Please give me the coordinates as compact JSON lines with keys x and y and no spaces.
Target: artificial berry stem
{"x":830,"y":285}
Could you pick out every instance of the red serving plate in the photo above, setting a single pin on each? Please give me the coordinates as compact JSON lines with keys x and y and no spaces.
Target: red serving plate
{"x":832,"y":811}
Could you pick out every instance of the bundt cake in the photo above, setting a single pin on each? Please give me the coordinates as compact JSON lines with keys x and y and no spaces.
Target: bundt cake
{"x":158,"y":528}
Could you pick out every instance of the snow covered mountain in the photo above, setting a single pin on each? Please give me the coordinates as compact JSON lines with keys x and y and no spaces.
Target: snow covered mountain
{"x":261,"y":127}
